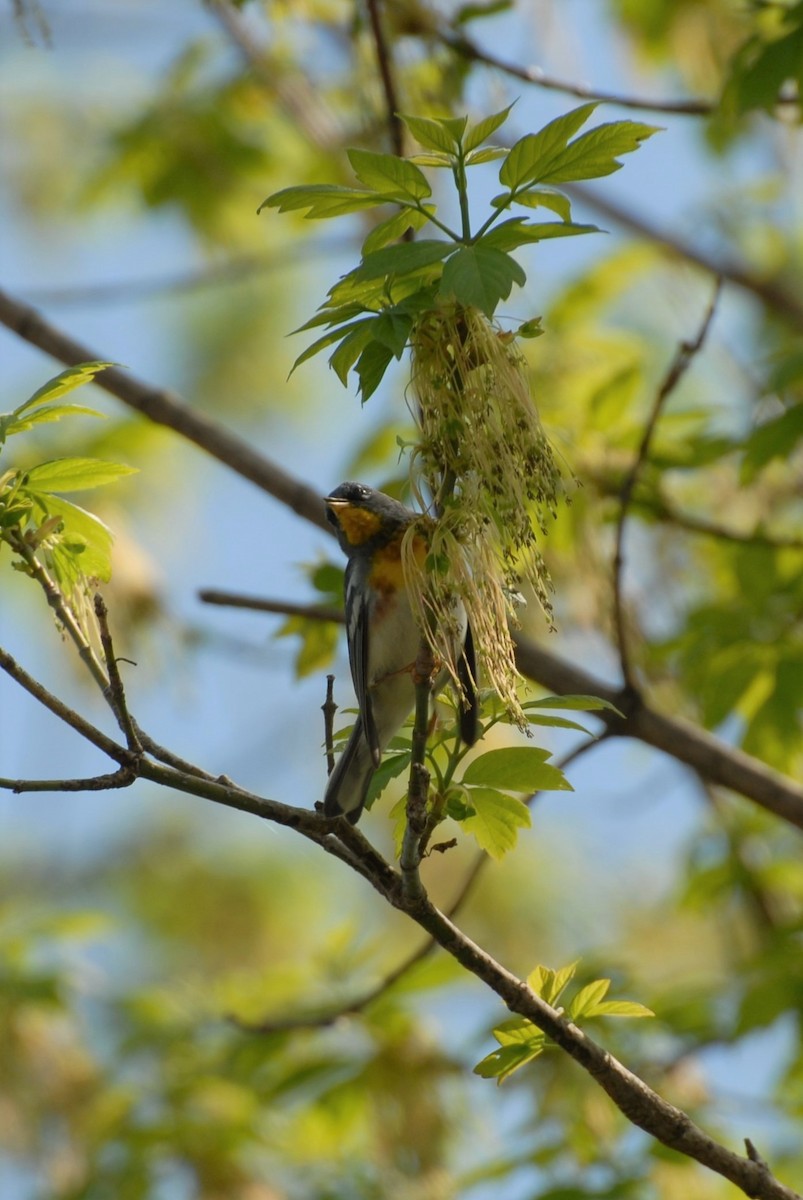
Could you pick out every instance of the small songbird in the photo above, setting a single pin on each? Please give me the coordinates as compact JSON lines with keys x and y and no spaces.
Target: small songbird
{"x":383,"y":639}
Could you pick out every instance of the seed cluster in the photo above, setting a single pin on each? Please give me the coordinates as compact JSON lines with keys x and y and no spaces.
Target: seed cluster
{"x":484,"y":458}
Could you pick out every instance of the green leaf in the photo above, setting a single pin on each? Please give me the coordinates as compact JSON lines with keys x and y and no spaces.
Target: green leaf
{"x":10,"y":425}
{"x":332,"y":314}
{"x":371,"y":367}
{"x":392,"y":329}
{"x":518,"y":1031}
{"x":328,"y":339}
{"x":402,"y":259}
{"x":776,"y":438}
{"x":474,"y":12}
{"x":318,"y":643}
{"x":480,"y":132}
{"x":578,"y":702}
{"x":485,"y":155}
{"x":496,"y":821}
{"x":94,"y":535}
{"x":535,"y":151}
{"x":594,"y":154}
{"x":432,"y":158}
{"x":391,"y":767}
{"x":350,"y":350}
{"x":548,"y":983}
{"x":621,"y":1008}
{"x":65,"y":382}
{"x":501,"y":1064}
{"x":74,"y":474}
{"x":480,"y":276}
{"x":394,"y":228}
{"x":556,"y":723}
{"x":455,"y":125}
{"x":519,"y":231}
{"x":517,"y":768}
{"x":588,"y":998}
{"x":543,"y":198}
{"x":432,"y":134}
{"x":389,"y":175}
{"x":323,"y":200}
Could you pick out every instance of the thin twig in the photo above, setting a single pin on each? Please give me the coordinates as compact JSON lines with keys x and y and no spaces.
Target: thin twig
{"x":329,"y":708}
{"x":63,"y":612}
{"x":684,"y":356}
{"x":121,"y":778}
{"x":286,"y":608}
{"x":470,"y":50}
{"x":652,"y":502}
{"x":234,"y":271}
{"x":115,"y":692}
{"x":120,"y":754}
{"x":641,"y":1105}
{"x":696,"y":107}
{"x":386,"y":74}
{"x":296,"y":94}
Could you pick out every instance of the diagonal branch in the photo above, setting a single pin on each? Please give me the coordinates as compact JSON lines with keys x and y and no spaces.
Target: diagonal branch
{"x":470,"y":50}
{"x":166,"y":408}
{"x":684,"y":356}
{"x":723,"y":765}
{"x":639,"y":1103}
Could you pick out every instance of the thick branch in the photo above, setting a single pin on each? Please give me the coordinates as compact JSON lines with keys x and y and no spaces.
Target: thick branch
{"x":165,"y":408}
{"x":639,"y":1103}
{"x":642,"y":1106}
{"x":724,"y":765}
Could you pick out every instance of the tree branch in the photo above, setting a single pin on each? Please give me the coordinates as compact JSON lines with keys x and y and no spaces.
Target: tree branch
{"x":638,"y":1102}
{"x":286,"y":608}
{"x":59,"y":709}
{"x":684,"y":356}
{"x":165,"y":408}
{"x":295,"y":93}
{"x":470,"y":50}
{"x":721,"y":764}
{"x":121,"y":778}
{"x":385,"y":64}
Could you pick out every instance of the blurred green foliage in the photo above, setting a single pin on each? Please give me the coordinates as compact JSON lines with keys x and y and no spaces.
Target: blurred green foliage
{"x":129,"y":982}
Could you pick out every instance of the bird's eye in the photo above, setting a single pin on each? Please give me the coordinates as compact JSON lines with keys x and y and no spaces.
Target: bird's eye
{"x":364,"y":492}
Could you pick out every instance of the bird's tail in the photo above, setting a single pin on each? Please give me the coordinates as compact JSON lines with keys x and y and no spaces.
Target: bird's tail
{"x":348,"y":784}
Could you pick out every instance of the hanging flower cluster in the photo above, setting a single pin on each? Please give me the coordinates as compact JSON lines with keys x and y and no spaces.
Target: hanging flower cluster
{"x":485,"y":465}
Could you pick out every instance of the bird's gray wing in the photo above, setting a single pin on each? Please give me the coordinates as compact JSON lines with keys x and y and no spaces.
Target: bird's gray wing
{"x":358,"y":633}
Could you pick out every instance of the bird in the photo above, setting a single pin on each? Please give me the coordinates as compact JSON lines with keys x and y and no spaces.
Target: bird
{"x":383,"y":639}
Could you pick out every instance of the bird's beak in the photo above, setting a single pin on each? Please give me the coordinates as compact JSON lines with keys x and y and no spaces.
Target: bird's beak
{"x":335,"y":502}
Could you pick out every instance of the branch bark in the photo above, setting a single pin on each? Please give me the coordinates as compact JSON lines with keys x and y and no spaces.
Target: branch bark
{"x":166,"y":408}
